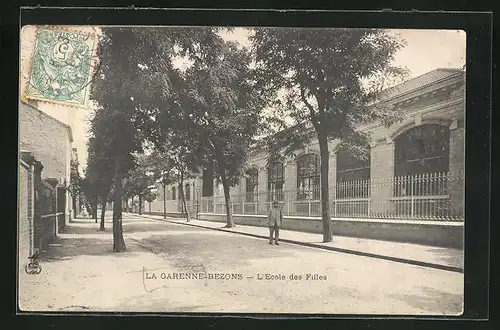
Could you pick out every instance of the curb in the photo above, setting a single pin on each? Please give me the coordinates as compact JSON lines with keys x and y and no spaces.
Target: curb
{"x":323,"y":247}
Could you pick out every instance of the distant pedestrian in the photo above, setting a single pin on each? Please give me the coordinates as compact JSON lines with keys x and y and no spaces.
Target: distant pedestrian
{"x":274,"y":221}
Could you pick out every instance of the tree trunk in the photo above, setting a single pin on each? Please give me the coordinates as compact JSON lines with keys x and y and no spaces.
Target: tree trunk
{"x":140,"y":204}
{"x":88,"y":208}
{"x":103,"y":211}
{"x":118,"y":242}
{"x":230,"y":223}
{"x":73,"y":200}
{"x":183,"y":197}
{"x":164,"y":202}
{"x":94,"y":209}
{"x":325,"y":196}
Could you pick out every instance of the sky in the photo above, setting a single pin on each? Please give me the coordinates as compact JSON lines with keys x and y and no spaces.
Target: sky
{"x":426,"y":50}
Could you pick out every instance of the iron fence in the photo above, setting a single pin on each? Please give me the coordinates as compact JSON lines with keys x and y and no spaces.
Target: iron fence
{"x":436,"y":196}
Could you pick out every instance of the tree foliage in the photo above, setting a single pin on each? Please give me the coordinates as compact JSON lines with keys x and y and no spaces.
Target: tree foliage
{"x":209,"y":113}
{"x":326,"y":81}
{"x":116,"y":122}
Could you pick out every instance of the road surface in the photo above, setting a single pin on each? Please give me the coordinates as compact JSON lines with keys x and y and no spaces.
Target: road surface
{"x":176,"y":268}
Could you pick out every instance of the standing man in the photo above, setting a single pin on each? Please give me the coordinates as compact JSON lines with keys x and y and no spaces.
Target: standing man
{"x":274,"y":221}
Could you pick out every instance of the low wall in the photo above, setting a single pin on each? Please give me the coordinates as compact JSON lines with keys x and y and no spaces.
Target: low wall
{"x":45,"y":231}
{"x":433,"y":233}
{"x":169,"y":214}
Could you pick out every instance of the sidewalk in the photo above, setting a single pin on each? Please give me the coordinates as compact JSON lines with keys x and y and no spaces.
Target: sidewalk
{"x":81,"y":273}
{"x":420,"y":255}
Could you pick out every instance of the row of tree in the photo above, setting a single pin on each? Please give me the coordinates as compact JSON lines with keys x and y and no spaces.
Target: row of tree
{"x":308,"y":83}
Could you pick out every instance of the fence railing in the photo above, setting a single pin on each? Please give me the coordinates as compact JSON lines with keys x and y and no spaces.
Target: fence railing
{"x":436,"y":196}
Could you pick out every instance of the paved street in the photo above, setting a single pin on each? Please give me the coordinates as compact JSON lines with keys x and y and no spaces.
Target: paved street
{"x":81,"y":273}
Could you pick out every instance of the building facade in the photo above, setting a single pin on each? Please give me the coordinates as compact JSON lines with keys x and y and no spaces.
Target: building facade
{"x":28,"y":169}
{"x":50,"y":141}
{"x":414,"y":169}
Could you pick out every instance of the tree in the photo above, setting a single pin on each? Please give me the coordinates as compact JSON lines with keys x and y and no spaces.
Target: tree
{"x":91,"y":194}
{"x":149,"y":197}
{"x":182,"y":162}
{"x":116,"y":119}
{"x":167,"y":167}
{"x":328,"y":78}
{"x":223,"y":109}
{"x":213,"y":100}
{"x":100,"y":174}
{"x":137,"y":87}
{"x":139,"y":181}
{"x":164,"y":179}
{"x":75,"y":184}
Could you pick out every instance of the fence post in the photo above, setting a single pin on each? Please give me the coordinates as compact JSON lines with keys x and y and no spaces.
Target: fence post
{"x":56,"y":220}
{"x":412,"y":179}
{"x":288,"y":202}
{"x":367,"y":192}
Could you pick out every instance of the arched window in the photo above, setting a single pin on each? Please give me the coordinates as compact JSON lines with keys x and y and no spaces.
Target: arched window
{"x":187,"y":191}
{"x":252,"y":183}
{"x":308,"y":177}
{"x":353,"y":174}
{"x":275,"y":181}
{"x":174,"y":194}
{"x":423,"y":149}
{"x":421,"y":156}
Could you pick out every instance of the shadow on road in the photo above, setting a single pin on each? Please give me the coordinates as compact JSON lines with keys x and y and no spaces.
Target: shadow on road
{"x":185,"y":246}
{"x":212,"y":248}
{"x":67,"y":248}
{"x":449,"y":256}
{"x":136,"y":225}
{"x":434,"y":300}
{"x":142,"y":225}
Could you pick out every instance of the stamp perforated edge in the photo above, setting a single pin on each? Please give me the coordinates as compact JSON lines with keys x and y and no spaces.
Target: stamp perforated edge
{"x":67,"y":28}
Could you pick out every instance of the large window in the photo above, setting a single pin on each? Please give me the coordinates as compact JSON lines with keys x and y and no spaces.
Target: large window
{"x":423,"y":149}
{"x":308,"y":177}
{"x":174,"y":193}
{"x":421,"y":158}
{"x":208,"y":182}
{"x":252,"y":184}
{"x":275,"y":181}
{"x":353,"y":175}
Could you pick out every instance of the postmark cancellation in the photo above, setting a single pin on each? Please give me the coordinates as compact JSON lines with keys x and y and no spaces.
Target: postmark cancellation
{"x":60,"y":66}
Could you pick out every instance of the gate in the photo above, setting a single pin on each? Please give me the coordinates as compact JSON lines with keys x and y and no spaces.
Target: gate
{"x":44,"y":220}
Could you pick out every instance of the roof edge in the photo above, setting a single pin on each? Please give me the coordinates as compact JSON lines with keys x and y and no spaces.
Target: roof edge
{"x":68,"y":127}
{"x":449,"y":77}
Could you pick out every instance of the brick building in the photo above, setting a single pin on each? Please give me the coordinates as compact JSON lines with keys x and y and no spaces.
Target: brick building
{"x":50,"y":141}
{"x":414,"y":169}
{"x":29,"y":167}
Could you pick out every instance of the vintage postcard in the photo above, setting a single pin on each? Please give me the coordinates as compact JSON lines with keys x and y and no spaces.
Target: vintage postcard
{"x":241,"y":170}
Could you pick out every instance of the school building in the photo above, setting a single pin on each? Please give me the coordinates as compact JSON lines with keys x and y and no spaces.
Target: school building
{"x":410,"y":186}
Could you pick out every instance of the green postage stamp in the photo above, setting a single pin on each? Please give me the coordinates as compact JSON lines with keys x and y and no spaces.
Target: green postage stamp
{"x":60,"y":68}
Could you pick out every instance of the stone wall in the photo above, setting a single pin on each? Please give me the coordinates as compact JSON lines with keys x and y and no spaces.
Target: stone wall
{"x":430,"y":233}
{"x":25,"y":215}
